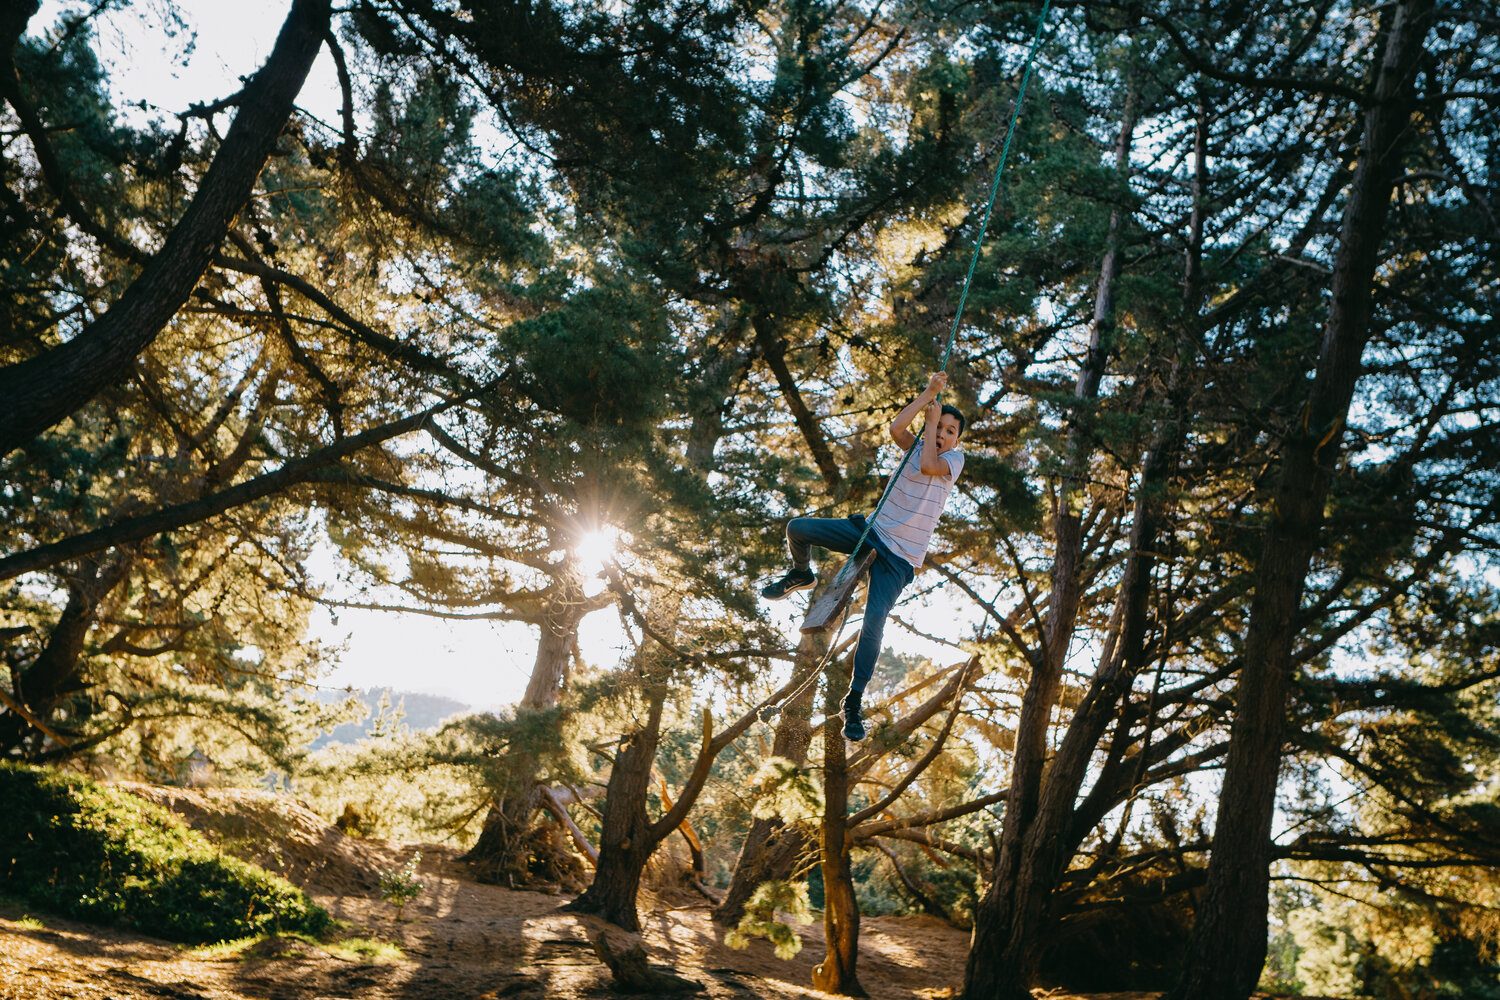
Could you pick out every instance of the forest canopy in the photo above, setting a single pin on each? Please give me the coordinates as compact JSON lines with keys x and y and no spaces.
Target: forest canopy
{"x":1222,"y":708}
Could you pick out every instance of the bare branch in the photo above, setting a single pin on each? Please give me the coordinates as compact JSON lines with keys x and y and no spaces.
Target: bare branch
{"x":912,"y":773}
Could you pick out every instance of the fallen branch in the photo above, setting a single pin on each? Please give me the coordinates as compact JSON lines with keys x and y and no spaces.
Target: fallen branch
{"x":553,"y":806}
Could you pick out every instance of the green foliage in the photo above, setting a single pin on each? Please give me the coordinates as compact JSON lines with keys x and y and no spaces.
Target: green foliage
{"x":763,"y":918}
{"x":667,"y":200}
{"x":367,"y":951}
{"x":404,"y":785}
{"x":785,"y":790}
{"x":948,"y":887}
{"x":86,"y":850}
{"x":1385,"y":945}
{"x":400,"y":885}
{"x":598,"y":359}
{"x":362,"y":950}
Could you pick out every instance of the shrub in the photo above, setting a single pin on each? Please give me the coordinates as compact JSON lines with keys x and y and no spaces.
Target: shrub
{"x":762,"y":918}
{"x":86,"y":850}
{"x":399,"y":886}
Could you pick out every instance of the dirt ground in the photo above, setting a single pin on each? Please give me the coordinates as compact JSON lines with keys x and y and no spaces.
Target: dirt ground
{"x":458,"y":940}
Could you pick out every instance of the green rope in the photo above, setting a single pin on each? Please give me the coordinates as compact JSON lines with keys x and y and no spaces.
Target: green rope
{"x":1010,"y":134}
{"x":769,"y":712}
{"x":984,"y":225}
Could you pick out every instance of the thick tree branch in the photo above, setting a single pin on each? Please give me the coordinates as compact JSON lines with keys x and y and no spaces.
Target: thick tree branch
{"x":13,"y":18}
{"x":774,"y":351}
{"x":39,"y":392}
{"x":927,"y":838}
{"x":135,"y":529}
{"x":918,"y":717}
{"x":409,"y":355}
{"x":912,"y":773}
{"x":580,"y":842}
{"x":31,"y":720}
{"x":932,"y":817}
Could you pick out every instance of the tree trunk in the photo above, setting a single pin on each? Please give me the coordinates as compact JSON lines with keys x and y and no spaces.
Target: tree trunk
{"x":554,"y":650}
{"x":772,"y":849}
{"x":294,"y":471}
{"x":773,"y":350}
{"x":37,"y":393}
{"x":627,"y":963}
{"x":53,"y":675}
{"x":13,"y":18}
{"x":1002,"y":956}
{"x":55,"y":672}
{"x":502,"y":854}
{"x":1057,"y":830}
{"x":625,"y":842}
{"x":1228,"y":946}
{"x":629,"y":836}
{"x":837,"y":972}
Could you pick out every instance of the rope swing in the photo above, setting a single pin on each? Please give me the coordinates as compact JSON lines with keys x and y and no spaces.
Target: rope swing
{"x":823,"y":611}
{"x":834,"y":601}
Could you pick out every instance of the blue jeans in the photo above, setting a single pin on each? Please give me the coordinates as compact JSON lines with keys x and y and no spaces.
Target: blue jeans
{"x":889,"y":575}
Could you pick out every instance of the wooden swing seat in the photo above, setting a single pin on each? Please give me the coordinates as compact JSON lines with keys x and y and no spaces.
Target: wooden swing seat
{"x":823,"y":614}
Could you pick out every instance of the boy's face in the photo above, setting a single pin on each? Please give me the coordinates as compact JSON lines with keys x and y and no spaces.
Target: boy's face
{"x":947,"y":432}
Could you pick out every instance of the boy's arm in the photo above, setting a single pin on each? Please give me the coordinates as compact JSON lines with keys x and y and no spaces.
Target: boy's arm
{"x":901,"y":426}
{"x":933,"y":464}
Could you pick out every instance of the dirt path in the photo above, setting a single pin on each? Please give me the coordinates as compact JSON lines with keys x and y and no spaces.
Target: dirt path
{"x":460,"y":940}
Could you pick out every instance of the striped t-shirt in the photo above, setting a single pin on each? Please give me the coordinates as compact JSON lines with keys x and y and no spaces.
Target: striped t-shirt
{"x":911,"y":509}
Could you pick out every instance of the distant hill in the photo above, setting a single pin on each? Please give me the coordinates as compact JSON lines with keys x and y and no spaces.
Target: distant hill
{"x":418,"y":712}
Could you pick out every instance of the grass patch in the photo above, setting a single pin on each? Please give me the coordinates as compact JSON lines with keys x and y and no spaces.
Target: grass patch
{"x":366,"y":951}
{"x":263,"y":947}
{"x":75,"y":847}
{"x":222,"y":951}
{"x":275,"y":946}
{"x":30,"y":923}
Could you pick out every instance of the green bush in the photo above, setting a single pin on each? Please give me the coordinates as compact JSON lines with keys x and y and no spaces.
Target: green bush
{"x":86,"y":850}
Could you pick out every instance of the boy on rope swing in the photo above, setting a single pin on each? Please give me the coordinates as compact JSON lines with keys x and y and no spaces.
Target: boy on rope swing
{"x":900,"y":531}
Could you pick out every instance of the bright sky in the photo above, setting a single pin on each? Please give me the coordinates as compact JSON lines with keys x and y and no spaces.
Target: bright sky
{"x":170,"y":53}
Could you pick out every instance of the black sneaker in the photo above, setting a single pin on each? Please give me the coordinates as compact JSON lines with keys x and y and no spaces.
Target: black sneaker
{"x":797,"y":579}
{"x":854,"y":723}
